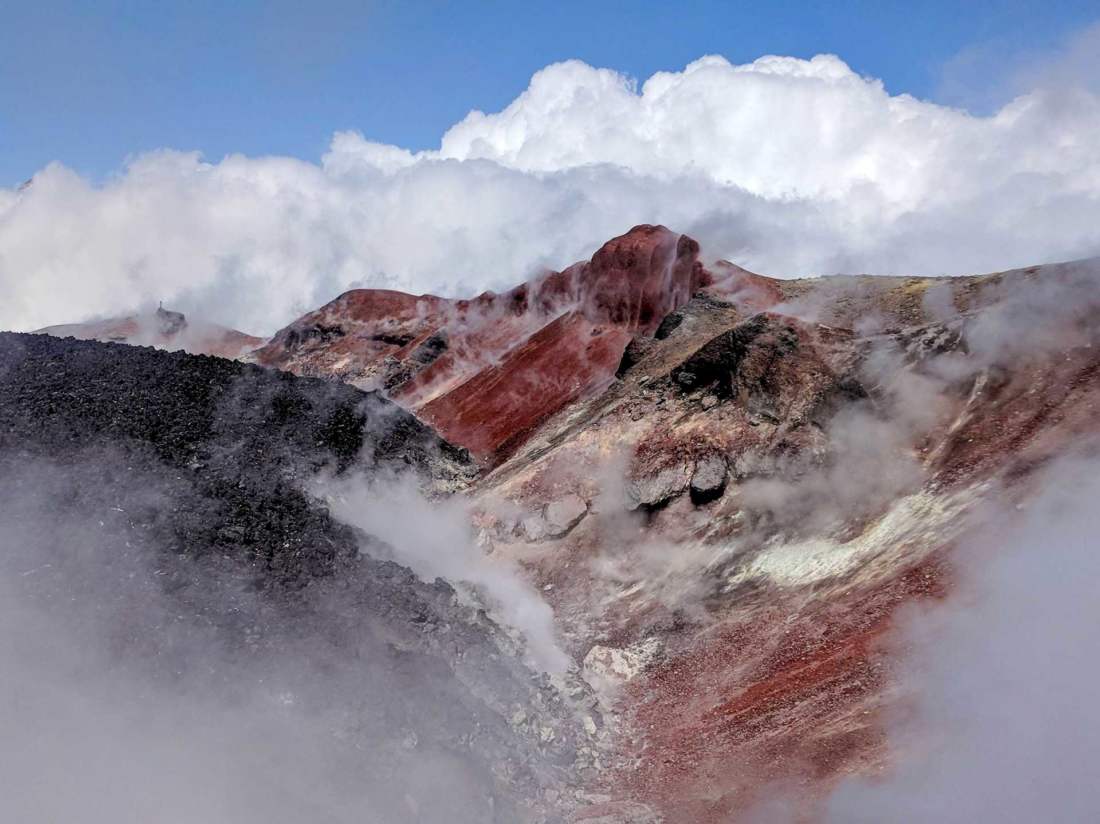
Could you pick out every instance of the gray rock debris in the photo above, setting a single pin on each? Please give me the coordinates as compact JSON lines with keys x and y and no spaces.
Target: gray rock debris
{"x":708,"y":481}
{"x":556,"y":519}
{"x":657,"y":489}
{"x":619,"y":812}
{"x":534,"y":527}
{"x":564,"y":514}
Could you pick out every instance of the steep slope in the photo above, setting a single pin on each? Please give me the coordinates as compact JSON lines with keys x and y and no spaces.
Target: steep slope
{"x":761,"y":491}
{"x":485,"y":371}
{"x":161,"y":505}
{"x":728,"y":498}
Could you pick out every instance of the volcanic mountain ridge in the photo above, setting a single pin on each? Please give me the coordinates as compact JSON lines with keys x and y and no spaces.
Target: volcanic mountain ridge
{"x":727,"y":485}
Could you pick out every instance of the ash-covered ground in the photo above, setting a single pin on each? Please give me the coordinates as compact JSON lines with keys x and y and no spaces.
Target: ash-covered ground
{"x":189,"y":635}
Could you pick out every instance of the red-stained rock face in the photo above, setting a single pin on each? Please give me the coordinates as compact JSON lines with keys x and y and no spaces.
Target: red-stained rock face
{"x":635,"y":280}
{"x":492,"y":412}
{"x":776,"y":474}
{"x":486,"y":371}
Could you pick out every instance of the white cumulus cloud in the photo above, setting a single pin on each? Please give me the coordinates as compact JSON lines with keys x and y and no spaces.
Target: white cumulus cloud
{"x":786,"y":166}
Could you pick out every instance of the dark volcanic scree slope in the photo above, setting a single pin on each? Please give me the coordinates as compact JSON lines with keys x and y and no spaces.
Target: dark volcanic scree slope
{"x":157,"y":515}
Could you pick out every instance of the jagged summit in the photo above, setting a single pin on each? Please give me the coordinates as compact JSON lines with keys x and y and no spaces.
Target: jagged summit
{"x":485,"y":371}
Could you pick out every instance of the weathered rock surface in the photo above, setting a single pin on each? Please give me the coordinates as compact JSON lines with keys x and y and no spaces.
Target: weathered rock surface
{"x":708,"y":481}
{"x":485,"y":372}
{"x":564,"y":514}
{"x":802,"y":456}
{"x":657,"y":488}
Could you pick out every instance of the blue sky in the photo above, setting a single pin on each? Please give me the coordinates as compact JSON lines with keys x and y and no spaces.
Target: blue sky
{"x":89,"y":83}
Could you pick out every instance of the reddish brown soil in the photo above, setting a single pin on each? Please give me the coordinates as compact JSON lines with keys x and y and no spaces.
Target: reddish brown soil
{"x":492,"y":412}
{"x":788,"y":696}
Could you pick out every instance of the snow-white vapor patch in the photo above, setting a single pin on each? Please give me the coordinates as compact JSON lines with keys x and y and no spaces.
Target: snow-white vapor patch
{"x":786,"y":166}
{"x":434,"y":539}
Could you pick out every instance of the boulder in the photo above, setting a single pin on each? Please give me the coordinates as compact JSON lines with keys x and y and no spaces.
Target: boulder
{"x":654,"y":490}
{"x":708,"y":481}
{"x":564,"y":514}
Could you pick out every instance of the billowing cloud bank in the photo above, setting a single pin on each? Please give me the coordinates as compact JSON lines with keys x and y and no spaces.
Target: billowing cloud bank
{"x":785,"y":166}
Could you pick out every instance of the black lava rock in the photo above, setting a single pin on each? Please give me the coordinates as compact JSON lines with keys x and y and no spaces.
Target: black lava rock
{"x":238,"y":441}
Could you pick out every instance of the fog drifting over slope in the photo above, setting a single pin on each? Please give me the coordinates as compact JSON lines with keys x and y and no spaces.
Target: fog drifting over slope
{"x":138,"y":686}
{"x":786,"y":166}
{"x":1005,"y":717}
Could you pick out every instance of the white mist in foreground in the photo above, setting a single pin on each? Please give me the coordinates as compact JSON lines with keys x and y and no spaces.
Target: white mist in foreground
{"x":119,"y":705}
{"x":434,"y":539}
{"x":139,"y":687}
{"x":1007,"y":725}
{"x":85,"y":741}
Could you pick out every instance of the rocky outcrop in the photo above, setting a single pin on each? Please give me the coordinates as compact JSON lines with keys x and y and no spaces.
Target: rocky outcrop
{"x":636,"y":280}
{"x":773,"y":474}
{"x":486,"y":371}
{"x":708,"y":480}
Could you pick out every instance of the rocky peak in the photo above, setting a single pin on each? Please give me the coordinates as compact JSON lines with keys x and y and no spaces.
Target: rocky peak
{"x":170,"y":323}
{"x":485,"y":371}
{"x":636,"y":279}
